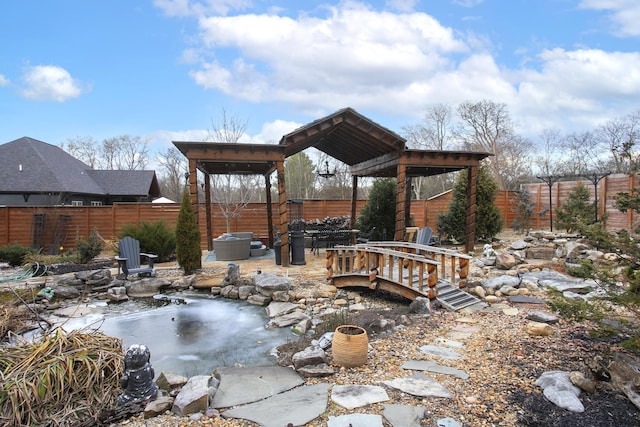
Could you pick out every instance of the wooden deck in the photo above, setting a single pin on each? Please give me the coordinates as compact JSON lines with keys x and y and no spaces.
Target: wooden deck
{"x":402,"y":268}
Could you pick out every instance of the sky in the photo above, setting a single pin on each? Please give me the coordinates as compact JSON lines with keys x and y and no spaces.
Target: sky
{"x":165,"y":70}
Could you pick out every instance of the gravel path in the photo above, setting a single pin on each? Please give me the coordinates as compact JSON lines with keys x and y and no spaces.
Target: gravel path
{"x":502,"y":360}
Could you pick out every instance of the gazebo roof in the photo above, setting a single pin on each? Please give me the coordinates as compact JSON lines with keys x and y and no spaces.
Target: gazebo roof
{"x":367,"y":147}
{"x":346,"y":136}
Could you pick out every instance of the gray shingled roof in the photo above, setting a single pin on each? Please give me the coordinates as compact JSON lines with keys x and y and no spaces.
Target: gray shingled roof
{"x":31,"y":166}
{"x":123,"y":182}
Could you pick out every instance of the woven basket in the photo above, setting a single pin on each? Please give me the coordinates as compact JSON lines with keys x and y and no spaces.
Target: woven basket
{"x":349,"y":346}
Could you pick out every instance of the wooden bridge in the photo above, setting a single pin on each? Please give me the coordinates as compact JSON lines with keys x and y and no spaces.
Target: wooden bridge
{"x":402,"y":268}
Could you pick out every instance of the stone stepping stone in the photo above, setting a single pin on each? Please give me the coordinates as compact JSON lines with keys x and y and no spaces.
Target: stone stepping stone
{"x":276,"y":308}
{"x":404,"y":415}
{"x":525,"y":299}
{"x":439,"y":351}
{"x":542,"y":317}
{"x":447,"y":422}
{"x":355,"y":420}
{"x":448,"y":343}
{"x":419,"y":385}
{"x":250,"y":384}
{"x":356,"y":396}
{"x":296,"y":407}
{"x":431,"y":366}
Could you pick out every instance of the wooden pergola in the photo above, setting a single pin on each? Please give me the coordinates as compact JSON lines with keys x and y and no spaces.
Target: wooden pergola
{"x":369,"y":150}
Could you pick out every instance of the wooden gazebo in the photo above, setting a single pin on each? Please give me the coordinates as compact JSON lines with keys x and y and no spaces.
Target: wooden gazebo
{"x":369,"y":150}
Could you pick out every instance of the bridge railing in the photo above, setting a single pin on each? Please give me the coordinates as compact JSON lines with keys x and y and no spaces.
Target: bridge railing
{"x":441,"y":264}
{"x":414,"y":274}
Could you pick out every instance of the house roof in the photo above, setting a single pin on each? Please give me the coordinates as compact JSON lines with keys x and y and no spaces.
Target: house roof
{"x":126,"y":182}
{"x":28,"y":165}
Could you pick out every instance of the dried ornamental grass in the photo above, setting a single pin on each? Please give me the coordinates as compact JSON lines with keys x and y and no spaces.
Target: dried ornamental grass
{"x":59,"y":380}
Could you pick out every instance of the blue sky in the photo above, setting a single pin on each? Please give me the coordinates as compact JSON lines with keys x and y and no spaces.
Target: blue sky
{"x":164,"y":69}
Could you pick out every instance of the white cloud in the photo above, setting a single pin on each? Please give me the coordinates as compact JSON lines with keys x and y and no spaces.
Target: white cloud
{"x":195,"y":8}
{"x":272,"y":132}
{"x":624,"y":15}
{"x":50,"y":83}
{"x":402,"y":5}
{"x":400,"y":62}
{"x":579,"y":87}
{"x":3,"y":80}
{"x":321,"y":62}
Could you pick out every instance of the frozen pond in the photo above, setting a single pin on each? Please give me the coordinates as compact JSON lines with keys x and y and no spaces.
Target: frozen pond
{"x":189,"y":333}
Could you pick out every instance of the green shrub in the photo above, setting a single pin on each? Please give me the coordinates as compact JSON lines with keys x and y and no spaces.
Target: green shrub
{"x":488,"y":219}
{"x":14,"y":254}
{"x":90,"y":248}
{"x":377,"y":219}
{"x":577,"y":210}
{"x":155,"y":238}
{"x":188,"y":250}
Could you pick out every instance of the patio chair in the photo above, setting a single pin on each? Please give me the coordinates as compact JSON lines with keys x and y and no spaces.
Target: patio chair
{"x":425,"y":237}
{"x":129,"y":259}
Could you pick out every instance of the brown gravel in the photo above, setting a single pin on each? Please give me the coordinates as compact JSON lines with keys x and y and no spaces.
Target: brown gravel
{"x":503,"y":362}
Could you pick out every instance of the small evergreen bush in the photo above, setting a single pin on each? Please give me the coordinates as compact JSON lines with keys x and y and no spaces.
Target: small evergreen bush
{"x":155,"y":237}
{"x":488,"y":219}
{"x":577,"y":210}
{"x":90,"y":248}
{"x":188,"y":250}
{"x":14,"y":254}
{"x":377,"y":219}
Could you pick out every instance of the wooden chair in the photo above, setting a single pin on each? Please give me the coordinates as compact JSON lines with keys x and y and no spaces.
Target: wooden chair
{"x":129,"y":259}
{"x":425,"y":237}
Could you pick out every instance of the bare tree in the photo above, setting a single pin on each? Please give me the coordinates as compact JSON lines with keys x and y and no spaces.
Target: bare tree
{"x":435,"y":132}
{"x":337,"y":186}
{"x":622,"y":137}
{"x":231,"y":193}
{"x":171,"y":177}
{"x":85,"y":149}
{"x":547,"y":161}
{"x":580,"y":153}
{"x":486,"y":126}
{"x":125,"y":152}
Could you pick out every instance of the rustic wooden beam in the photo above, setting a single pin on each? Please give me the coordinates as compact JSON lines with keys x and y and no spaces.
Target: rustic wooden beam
{"x":207,"y":209}
{"x":282,"y":212}
{"x":401,"y":175}
{"x":470,"y":219}
{"x":370,"y":167}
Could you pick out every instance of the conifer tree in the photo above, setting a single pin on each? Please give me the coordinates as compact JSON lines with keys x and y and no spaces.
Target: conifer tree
{"x":576,"y":210}
{"x":188,"y":251}
{"x":488,"y":219}
{"x":378,"y":217}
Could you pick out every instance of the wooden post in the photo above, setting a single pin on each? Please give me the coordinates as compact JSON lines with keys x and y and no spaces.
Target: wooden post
{"x":193,"y":188}
{"x":407,"y":202}
{"x":354,"y":201}
{"x":207,"y":210}
{"x":267,"y":185}
{"x":400,"y":200}
{"x":470,"y":219}
{"x":282,"y":212}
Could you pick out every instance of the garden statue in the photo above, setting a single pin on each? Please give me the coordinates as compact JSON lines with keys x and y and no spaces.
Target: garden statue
{"x":137,"y":379}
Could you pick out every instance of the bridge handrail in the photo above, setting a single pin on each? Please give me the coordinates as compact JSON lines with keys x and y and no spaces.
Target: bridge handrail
{"x":457,"y":262}
{"x":389,"y":265}
{"x":417,"y":246}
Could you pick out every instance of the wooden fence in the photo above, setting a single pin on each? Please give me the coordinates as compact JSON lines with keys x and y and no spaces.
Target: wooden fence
{"x":50,"y":227}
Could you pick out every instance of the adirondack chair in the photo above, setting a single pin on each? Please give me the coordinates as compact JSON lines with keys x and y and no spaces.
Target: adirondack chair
{"x":129,"y":259}
{"x":425,"y":237}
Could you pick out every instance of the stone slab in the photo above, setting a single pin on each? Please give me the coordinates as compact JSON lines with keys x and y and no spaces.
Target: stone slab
{"x":419,"y":385}
{"x":439,"y":351}
{"x":404,"y":415}
{"x":250,"y":384}
{"x":295,"y":407}
{"x":431,"y":366}
{"x":356,"y":396}
{"x":355,"y":420}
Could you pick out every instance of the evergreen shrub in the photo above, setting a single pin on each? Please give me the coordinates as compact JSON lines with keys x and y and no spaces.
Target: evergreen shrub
{"x":155,"y":237}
